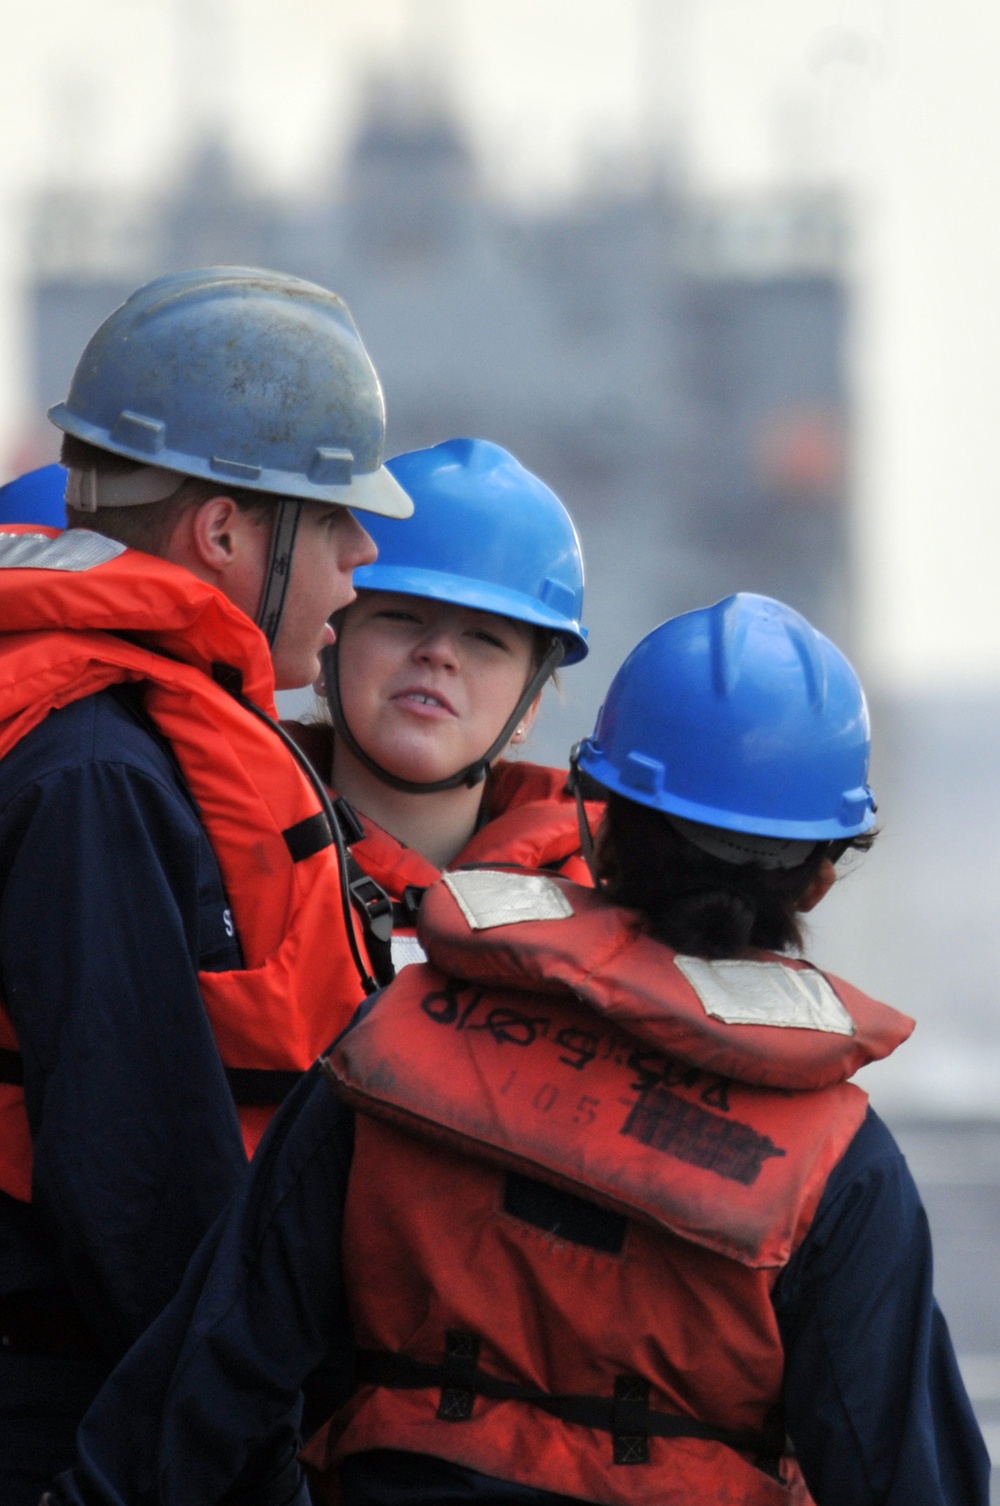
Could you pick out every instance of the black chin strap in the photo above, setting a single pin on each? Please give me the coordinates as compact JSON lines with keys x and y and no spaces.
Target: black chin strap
{"x":279,"y":567}
{"x":473,"y":773}
{"x":575,"y":783}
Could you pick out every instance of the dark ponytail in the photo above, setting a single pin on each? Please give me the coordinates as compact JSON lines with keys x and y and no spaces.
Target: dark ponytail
{"x":697,"y":903}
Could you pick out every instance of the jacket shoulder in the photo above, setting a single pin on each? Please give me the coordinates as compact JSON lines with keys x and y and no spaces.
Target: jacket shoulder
{"x":103,"y":728}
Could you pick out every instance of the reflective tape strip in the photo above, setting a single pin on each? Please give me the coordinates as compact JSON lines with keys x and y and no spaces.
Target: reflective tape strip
{"x":488,"y":897}
{"x":76,"y":549}
{"x":766,"y":993}
{"x":406,"y":950}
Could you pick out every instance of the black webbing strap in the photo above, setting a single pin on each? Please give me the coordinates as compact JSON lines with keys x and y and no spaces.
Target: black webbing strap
{"x":626,"y":1415}
{"x":231,"y":680}
{"x":372,"y":900}
{"x":307,"y":837}
{"x":374,"y":906}
{"x":369,"y":898}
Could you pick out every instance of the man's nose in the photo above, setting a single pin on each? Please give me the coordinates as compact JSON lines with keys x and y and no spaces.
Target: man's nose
{"x":361,"y":547}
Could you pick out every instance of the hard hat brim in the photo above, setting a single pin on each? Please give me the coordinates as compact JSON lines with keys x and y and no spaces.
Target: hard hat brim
{"x":375,"y":491}
{"x":819,"y":829}
{"x":480,"y":595}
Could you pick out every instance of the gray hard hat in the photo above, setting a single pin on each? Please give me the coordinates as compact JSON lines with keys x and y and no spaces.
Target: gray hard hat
{"x":232,"y":374}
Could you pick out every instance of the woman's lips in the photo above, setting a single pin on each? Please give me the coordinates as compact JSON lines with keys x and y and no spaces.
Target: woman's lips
{"x":424,"y":702}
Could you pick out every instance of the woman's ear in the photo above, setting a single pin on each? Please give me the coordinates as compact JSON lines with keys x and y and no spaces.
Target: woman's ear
{"x":819,"y":888}
{"x":524,"y":725}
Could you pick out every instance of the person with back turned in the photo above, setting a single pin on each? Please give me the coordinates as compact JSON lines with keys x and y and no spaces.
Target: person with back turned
{"x":592,"y":1213}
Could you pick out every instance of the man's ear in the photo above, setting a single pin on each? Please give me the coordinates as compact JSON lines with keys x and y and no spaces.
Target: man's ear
{"x":819,"y":888}
{"x":223,"y":546}
{"x":216,"y":532}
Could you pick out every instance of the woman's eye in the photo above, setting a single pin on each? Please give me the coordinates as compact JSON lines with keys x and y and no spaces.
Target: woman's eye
{"x":491,"y":639}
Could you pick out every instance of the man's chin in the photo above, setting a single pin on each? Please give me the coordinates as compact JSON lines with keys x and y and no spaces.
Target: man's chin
{"x":301,"y":677}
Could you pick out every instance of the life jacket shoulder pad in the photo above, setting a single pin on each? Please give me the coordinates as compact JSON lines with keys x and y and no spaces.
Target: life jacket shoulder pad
{"x":602,"y":954}
{"x":548,"y":1087}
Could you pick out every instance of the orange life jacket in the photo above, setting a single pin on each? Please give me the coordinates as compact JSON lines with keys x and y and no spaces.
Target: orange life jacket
{"x":531,"y":823}
{"x":72,"y":630}
{"x":578,"y":1052}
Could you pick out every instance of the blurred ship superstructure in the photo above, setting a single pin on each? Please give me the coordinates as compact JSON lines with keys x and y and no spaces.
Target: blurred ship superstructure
{"x":673,"y":367}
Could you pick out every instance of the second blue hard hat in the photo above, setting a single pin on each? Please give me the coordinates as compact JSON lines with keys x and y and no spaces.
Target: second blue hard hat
{"x":485,"y":533}
{"x":39,"y":496}
{"x":741,"y":716}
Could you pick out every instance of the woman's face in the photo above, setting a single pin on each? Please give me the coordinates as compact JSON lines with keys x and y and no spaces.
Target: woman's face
{"x":426,"y":686}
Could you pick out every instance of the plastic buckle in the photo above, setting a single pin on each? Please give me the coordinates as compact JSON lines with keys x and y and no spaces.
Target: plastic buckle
{"x":376,"y":904}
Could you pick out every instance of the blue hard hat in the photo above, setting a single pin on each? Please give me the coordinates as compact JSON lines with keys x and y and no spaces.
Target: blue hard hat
{"x":487,"y":534}
{"x":739,"y":715}
{"x":38,"y":496}
{"x":238,"y":375}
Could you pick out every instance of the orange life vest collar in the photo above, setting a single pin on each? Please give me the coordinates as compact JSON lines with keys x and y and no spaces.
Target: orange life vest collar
{"x":146,"y":598}
{"x":531,"y":823}
{"x":547,"y":1087}
{"x":602,"y":954}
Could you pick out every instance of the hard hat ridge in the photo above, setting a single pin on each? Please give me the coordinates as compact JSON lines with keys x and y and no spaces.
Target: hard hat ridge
{"x":730,"y":629}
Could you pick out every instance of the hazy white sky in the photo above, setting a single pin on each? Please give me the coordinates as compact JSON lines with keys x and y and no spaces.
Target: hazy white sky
{"x":894,"y":99}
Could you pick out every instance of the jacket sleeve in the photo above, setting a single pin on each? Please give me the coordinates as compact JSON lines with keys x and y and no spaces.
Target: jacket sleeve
{"x":874,"y":1402}
{"x":109,"y":887}
{"x":208,"y":1404}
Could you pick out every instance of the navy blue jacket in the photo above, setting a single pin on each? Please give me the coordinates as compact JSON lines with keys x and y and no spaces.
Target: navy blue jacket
{"x":110,"y":901}
{"x":208,"y":1401}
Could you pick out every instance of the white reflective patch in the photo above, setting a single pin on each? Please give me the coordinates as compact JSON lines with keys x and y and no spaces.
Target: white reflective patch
{"x":766,"y":993}
{"x":488,"y":898}
{"x":76,"y":549}
{"x":405,"y":951}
